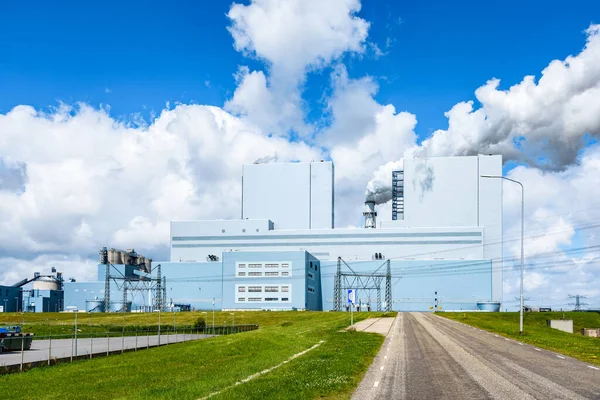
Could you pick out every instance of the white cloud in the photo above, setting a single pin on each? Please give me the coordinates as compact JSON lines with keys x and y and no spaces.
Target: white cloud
{"x":543,"y":123}
{"x":93,"y":182}
{"x":296,"y":35}
{"x":292,"y":38}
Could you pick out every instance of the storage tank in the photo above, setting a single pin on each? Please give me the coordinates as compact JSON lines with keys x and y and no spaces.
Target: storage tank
{"x":124,"y":257}
{"x":117,"y":306}
{"x":493,"y":306}
{"x":46,"y":283}
{"x":148,"y":265}
{"x":94,"y":305}
{"x":114,"y":256}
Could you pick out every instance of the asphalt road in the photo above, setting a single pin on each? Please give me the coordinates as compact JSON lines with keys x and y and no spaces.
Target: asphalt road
{"x":42,"y":350}
{"x":429,"y":357}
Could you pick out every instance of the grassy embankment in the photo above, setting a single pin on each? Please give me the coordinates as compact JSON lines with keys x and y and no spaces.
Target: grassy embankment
{"x":195,"y":369}
{"x":536,"y":332}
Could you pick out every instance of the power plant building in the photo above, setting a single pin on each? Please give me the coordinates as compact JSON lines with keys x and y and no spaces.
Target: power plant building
{"x":441,"y":248}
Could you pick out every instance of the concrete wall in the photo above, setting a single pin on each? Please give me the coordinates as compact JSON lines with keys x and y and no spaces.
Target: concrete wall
{"x":565,"y":325}
{"x":292,"y":195}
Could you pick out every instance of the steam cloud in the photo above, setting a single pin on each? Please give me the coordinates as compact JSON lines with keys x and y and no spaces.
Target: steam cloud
{"x":544,"y":124}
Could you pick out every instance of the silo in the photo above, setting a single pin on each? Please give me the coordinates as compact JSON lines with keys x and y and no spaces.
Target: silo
{"x":46,"y":283}
{"x":117,"y":306}
{"x":125,"y":257}
{"x":114,"y":256}
{"x":94,"y":305}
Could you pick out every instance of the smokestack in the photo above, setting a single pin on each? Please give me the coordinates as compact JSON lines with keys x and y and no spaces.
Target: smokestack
{"x":370,"y":214}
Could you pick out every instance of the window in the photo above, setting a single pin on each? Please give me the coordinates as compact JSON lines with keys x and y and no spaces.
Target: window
{"x":222,"y":230}
{"x":241,"y":299}
{"x":285,"y":273}
{"x":285,"y":265}
{"x":254,"y":265}
{"x":285,"y":288}
{"x":241,"y":273}
{"x":310,"y":265}
{"x":257,"y":230}
{"x":285,"y":299}
{"x":271,"y":289}
{"x":254,"y":273}
{"x":243,"y":231}
{"x":254,"y":299}
{"x":316,"y":267}
{"x":311,"y":276}
{"x":271,"y":273}
{"x":311,"y":290}
{"x":241,"y":265}
{"x":241,"y":288}
{"x":254,"y":288}
{"x":271,"y":265}
{"x":271,"y":299}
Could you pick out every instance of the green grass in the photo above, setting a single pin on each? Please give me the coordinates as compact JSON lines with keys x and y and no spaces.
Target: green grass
{"x":195,"y":369}
{"x":536,"y":332}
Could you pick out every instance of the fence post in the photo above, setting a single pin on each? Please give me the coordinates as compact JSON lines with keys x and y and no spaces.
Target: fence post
{"x":91,"y":344}
{"x":136,"y":334}
{"x":22,"y":348}
{"x":107,"y":343}
{"x":49,"y":348}
{"x":123,"y":340}
{"x":147,"y":338}
{"x":72,"y":343}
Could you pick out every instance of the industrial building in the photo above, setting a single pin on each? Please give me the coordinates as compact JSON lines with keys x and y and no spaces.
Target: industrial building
{"x":42,"y":293}
{"x":440,"y":249}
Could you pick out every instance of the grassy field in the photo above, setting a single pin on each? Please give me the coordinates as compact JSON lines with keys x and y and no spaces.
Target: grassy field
{"x":195,"y":369}
{"x":536,"y":332}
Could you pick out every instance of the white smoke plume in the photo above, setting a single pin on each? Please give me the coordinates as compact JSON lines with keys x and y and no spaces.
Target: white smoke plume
{"x":379,"y":188}
{"x":544,"y":124}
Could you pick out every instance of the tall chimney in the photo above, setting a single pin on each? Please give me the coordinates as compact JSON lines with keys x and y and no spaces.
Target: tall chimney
{"x":370,"y":214}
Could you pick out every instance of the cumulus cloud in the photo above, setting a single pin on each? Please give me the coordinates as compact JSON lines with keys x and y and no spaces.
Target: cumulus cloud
{"x":92,"y":181}
{"x":296,"y":35}
{"x":543,"y":123}
{"x":292,"y":38}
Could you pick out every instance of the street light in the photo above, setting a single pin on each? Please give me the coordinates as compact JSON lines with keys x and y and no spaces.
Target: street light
{"x":522,"y":233}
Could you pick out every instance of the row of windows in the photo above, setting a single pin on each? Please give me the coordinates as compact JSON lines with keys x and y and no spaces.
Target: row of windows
{"x":266,"y":273}
{"x":277,"y":265}
{"x":259,"y":289}
{"x":258,"y":299}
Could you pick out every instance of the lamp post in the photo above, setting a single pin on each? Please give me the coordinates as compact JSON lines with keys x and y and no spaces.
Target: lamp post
{"x":522,"y":233}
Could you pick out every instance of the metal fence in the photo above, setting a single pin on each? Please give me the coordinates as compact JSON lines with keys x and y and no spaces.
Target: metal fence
{"x":53,"y":349}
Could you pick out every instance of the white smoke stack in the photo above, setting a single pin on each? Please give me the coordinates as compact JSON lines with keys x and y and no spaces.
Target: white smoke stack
{"x":370,"y":214}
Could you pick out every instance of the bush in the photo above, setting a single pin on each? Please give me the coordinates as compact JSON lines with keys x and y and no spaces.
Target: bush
{"x":200,"y":324}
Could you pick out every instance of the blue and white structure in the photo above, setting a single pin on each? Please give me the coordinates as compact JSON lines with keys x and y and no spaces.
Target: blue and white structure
{"x":444,"y":247}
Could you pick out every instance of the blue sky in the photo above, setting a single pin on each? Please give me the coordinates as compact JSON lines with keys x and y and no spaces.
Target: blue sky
{"x":147,"y":53}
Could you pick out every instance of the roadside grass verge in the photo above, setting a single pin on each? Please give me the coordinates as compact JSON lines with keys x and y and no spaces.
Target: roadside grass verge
{"x":193,"y":370}
{"x":536,"y":332}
